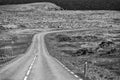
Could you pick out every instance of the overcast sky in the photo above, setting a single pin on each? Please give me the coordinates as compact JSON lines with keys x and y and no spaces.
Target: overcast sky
{"x":74,"y":4}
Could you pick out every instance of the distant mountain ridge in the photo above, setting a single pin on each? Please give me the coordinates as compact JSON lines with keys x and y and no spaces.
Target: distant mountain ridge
{"x":47,"y":6}
{"x":74,"y":4}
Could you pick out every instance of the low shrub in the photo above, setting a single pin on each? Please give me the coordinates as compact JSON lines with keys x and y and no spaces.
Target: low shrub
{"x":63,"y":38}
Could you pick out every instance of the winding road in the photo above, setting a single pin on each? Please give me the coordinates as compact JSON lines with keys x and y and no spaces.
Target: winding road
{"x":37,"y":64}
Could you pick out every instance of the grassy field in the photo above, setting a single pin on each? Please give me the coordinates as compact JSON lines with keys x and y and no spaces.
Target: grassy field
{"x":100,"y":48}
{"x":97,"y":42}
{"x":13,"y":45}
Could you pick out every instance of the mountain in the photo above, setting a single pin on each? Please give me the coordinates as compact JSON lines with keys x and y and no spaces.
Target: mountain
{"x":47,"y":6}
{"x":75,"y":4}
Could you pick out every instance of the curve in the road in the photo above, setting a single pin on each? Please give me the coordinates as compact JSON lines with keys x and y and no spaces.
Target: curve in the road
{"x":37,"y":64}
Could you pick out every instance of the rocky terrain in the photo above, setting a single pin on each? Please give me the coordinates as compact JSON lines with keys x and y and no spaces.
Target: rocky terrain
{"x":38,"y":15}
{"x":95,"y":38}
{"x":98,"y":50}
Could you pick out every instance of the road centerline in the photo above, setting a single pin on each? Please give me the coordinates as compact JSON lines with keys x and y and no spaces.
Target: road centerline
{"x":29,"y":69}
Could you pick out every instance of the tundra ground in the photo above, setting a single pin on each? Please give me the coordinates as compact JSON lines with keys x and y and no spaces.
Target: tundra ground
{"x":100,"y":48}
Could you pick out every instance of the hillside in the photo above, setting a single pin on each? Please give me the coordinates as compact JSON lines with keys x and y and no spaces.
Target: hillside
{"x":32,"y":6}
{"x":95,"y":41}
{"x":25,"y":15}
{"x":75,"y":4}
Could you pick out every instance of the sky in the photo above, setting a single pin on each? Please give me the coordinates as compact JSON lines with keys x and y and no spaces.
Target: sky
{"x":74,"y":4}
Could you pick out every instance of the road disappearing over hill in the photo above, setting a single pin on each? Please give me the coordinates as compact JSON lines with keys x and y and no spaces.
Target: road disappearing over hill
{"x":36,"y":64}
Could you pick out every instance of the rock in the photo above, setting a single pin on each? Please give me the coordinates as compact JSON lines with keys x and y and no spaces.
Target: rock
{"x":106,"y":44}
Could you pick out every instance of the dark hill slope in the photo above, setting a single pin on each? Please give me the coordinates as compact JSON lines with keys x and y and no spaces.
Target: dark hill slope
{"x":74,"y":4}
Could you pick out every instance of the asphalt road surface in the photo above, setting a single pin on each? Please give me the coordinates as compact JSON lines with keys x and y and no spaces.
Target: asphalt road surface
{"x":36,"y":64}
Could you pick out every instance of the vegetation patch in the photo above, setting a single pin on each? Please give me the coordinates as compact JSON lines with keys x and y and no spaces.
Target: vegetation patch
{"x":87,"y":54}
{"x":13,"y":45}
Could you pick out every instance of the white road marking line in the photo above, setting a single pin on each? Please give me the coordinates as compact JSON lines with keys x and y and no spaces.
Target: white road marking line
{"x":72,"y":72}
{"x":28,"y":72}
{"x":67,"y":69}
{"x":76,"y":76}
{"x":25,"y":78}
